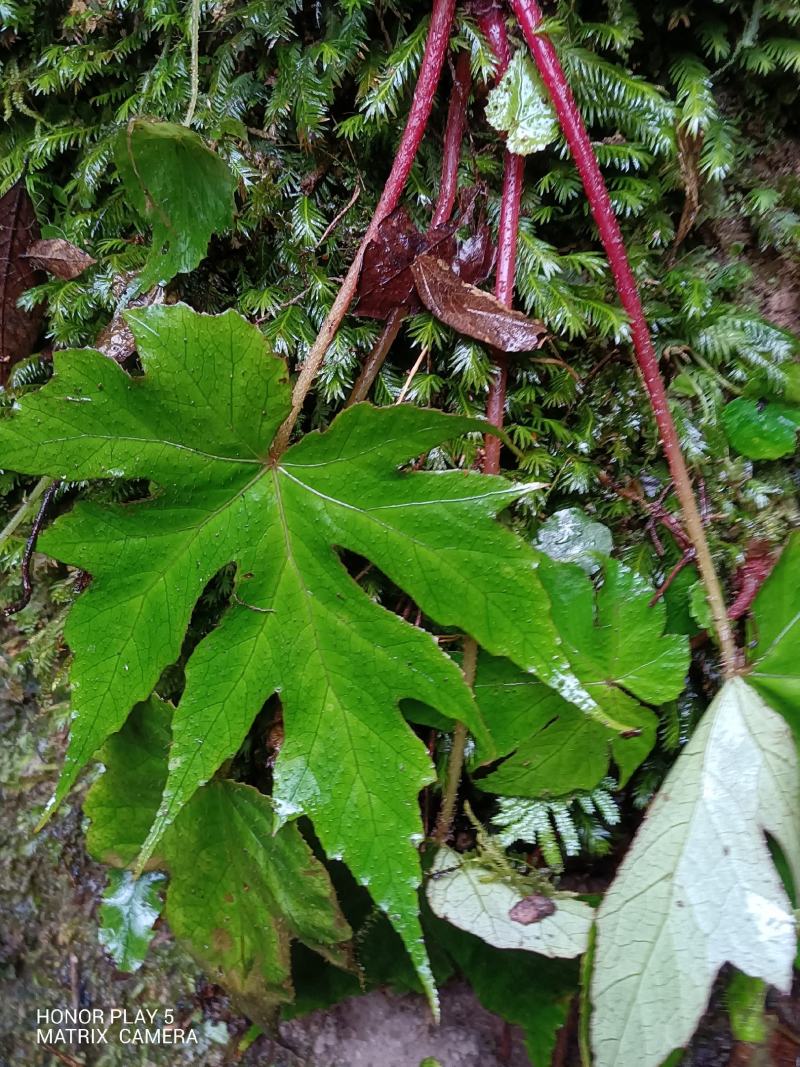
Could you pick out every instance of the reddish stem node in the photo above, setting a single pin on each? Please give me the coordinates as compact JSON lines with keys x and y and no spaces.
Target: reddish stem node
{"x":529,"y":17}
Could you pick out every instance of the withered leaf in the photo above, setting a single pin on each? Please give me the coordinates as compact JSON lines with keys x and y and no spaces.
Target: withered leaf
{"x":532,"y":909}
{"x":18,"y":328}
{"x":475,"y":257}
{"x":472,"y":311}
{"x":59,"y":257}
{"x":386,"y":281}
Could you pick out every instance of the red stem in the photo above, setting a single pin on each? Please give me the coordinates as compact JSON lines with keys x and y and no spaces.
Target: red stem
{"x":432,"y":61}
{"x":448,"y":187}
{"x":453,"y":136}
{"x":529,"y":16}
{"x":493,"y":26}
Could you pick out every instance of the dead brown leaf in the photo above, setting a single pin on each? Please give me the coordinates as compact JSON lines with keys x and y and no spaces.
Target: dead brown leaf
{"x":386,"y":282}
{"x":19,"y":329}
{"x":472,"y":311}
{"x":59,"y":257}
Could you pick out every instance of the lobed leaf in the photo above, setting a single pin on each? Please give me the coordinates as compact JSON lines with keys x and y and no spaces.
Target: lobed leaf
{"x":618,"y":651}
{"x":240,"y":890}
{"x":199,"y":423}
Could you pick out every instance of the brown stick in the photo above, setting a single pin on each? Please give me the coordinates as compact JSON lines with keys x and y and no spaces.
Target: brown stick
{"x":456,"y":761}
{"x":375,"y":360}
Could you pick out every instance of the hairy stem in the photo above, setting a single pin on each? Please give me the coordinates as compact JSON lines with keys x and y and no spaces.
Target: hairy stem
{"x":30,"y":548}
{"x":493,"y":26}
{"x":513,"y":176}
{"x":455,"y":763}
{"x":529,"y":16}
{"x":430,"y":71}
{"x":453,"y":136}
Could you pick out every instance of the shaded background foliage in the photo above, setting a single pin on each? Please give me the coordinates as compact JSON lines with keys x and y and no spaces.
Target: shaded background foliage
{"x":693,"y":110}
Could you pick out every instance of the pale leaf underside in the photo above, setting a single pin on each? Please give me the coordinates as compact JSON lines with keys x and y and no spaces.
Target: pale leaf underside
{"x":698,"y":888}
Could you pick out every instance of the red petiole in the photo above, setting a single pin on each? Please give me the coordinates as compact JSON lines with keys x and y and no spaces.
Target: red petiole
{"x":493,"y":26}
{"x":529,"y":17}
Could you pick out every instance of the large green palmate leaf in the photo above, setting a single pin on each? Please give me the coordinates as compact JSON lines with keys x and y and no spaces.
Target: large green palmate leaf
{"x":775,"y":656}
{"x":698,"y":888}
{"x":199,"y":424}
{"x":239,"y":892}
{"x":616,"y":646}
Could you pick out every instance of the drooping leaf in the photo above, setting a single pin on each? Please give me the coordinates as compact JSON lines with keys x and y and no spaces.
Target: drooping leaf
{"x":524,"y":988}
{"x":472,"y":311}
{"x":571,"y":536}
{"x":617,"y":648}
{"x":59,"y":257}
{"x":18,"y":328}
{"x":761,"y":430}
{"x":518,"y":106}
{"x":239,"y":892}
{"x":129,"y":908}
{"x":698,"y":888}
{"x":474,"y":898}
{"x":199,"y":423}
{"x":179,"y":186}
{"x":775,"y":659}
{"x":123,"y":802}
